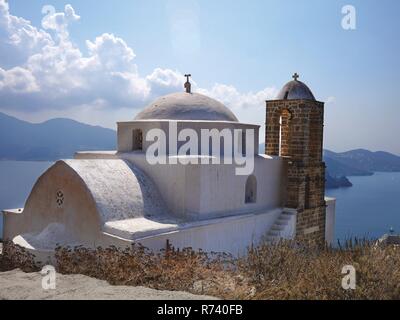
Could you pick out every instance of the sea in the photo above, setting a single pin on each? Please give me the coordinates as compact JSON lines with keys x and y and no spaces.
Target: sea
{"x":369,"y":209}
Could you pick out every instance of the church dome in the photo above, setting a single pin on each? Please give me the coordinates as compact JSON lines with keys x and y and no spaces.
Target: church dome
{"x":295,"y":89}
{"x":186,"y":106}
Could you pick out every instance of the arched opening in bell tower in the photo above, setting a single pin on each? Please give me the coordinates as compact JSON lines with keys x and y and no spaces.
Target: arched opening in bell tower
{"x":284,"y":133}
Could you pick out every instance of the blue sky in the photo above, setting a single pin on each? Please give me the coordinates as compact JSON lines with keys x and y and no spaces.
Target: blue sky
{"x":237,"y":51}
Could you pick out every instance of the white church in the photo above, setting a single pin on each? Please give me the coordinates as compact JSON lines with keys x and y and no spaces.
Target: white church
{"x":118,"y":198}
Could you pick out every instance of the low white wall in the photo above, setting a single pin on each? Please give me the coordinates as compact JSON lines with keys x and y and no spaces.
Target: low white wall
{"x":330,"y":220}
{"x":1,"y":226}
{"x":232,"y":234}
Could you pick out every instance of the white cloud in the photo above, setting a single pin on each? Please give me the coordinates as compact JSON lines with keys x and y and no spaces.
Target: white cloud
{"x":43,"y":71}
{"x":18,"y":80}
{"x":163,"y":81}
{"x":18,"y":38}
{"x":59,"y":21}
{"x":330,"y":99}
{"x":56,"y":73}
{"x":236,"y":100}
{"x":112,"y":53}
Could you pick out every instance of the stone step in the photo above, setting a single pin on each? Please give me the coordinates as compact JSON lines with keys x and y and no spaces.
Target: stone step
{"x":278,"y":227}
{"x":287,"y":213}
{"x":271,"y":239}
{"x":274,"y":233}
{"x":281,"y":218}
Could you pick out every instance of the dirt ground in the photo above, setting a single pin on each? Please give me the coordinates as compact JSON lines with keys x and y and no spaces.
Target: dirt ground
{"x":17,"y":285}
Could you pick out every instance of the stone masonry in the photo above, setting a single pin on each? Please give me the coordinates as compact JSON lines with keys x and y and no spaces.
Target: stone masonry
{"x":294,"y":130}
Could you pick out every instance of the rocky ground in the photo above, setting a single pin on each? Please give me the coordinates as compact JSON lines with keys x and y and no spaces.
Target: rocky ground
{"x":18,"y":285}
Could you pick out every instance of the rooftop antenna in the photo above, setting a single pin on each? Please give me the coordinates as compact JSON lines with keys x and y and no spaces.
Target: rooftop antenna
{"x":188,"y":85}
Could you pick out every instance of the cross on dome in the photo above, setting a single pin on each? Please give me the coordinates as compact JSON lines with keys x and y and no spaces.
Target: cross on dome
{"x":188,"y":85}
{"x":295,"y":76}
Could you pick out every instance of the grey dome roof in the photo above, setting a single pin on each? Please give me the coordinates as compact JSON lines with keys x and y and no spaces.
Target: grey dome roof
{"x":295,"y":90}
{"x":186,"y":106}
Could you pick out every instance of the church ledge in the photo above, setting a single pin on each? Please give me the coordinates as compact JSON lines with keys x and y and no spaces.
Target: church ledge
{"x":120,"y":155}
{"x":13,"y":211}
{"x":267,"y":156}
{"x":96,"y":154}
{"x":98,"y":151}
{"x":168,"y":227}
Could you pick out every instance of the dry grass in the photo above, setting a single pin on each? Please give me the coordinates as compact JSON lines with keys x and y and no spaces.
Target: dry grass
{"x":283,"y":271}
{"x":14,"y":256}
{"x":170,"y":269}
{"x":290,"y":271}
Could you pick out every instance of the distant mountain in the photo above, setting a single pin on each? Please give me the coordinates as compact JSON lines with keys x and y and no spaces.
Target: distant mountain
{"x":365,"y":160}
{"x":336,"y":182}
{"x":357,"y":162}
{"x":50,"y":140}
{"x":339,"y":169}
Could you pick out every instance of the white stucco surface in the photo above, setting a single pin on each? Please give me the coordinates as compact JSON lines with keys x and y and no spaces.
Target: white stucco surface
{"x":197,"y":192}
{"x":120,"y":190}
{"x":138,"y":227}
{"x":54,"y":234}
{"x":186,"y":106}
{"x":330,"y":220}
{"x":234,"y":234}
{"x":126,"y":129}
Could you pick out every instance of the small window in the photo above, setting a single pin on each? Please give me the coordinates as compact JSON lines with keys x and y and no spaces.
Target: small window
{"x":251,"y":190}
{"x":59,"y":198}
{"x":137,"y":140}
{"x":244,"y":143}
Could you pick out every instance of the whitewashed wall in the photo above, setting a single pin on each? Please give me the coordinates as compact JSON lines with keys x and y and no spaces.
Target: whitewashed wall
{"x":330,"y":220}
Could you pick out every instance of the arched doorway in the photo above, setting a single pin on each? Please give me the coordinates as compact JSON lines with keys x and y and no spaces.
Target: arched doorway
{"x":251,"y":190}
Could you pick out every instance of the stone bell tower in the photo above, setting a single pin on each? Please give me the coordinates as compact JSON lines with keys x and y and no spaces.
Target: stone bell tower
{"x":294,"y":131}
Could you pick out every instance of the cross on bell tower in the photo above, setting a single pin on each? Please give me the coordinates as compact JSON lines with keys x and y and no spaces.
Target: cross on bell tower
{"x":188,"y":85}
{"x":295,"y":76}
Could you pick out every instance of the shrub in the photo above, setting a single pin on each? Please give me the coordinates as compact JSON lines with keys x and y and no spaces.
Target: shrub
{"x":14,"y":256}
